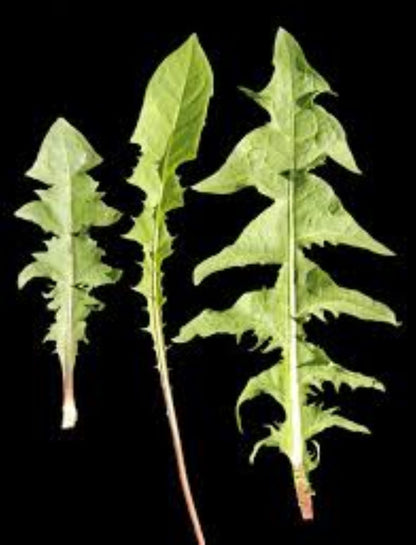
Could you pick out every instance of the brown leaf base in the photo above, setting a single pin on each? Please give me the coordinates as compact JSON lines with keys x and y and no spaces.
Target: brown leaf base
{"x":303,"y":493}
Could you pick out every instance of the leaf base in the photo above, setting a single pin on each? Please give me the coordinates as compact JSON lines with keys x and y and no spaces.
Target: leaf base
{"x":69,"y":409}
{"x":303,"y":493}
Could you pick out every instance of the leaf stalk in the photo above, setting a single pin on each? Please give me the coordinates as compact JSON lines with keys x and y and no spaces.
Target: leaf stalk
{"x":69,"y":409}
{"x":156,"y":329}
{"x":303,"y":493}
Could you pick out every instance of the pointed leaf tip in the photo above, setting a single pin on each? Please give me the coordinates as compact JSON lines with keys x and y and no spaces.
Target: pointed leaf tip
{"x":282,"y":33}
{"x":193,"y":38}
{"x":64,"y":149}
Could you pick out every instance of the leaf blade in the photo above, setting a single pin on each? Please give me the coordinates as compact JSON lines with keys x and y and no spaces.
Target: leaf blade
{"x":278,"y":159}
{"x":72,"y":260}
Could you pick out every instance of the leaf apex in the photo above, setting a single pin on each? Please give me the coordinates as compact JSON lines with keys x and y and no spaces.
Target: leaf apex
{"x":248,"y":92}
{"x":197,"y":277}
{"x":197,"y":187}
{"x":283,"y":33}
{"x":21,"y":283}
{"x":379,"y":386}
{"x":238,"y":418}
{"x":388,"y":252}
{"x":194,"y":38}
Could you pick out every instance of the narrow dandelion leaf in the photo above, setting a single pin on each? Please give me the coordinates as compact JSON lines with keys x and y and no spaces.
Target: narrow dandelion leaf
{"x":72,"y":261}
{"x":168,"y":133}
{"x":278,"y":159}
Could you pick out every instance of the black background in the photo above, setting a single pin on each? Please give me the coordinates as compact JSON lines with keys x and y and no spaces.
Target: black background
{"x":114,"y":476}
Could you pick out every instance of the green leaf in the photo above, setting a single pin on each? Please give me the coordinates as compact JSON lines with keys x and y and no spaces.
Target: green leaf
{"x":168,"y":132}
{"x":72,"y":260}
{"x":278,"y":160}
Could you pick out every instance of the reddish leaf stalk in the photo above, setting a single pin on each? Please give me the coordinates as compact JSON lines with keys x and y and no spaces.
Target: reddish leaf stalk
{"x":180,"y":458}
{"x":303,"y":493}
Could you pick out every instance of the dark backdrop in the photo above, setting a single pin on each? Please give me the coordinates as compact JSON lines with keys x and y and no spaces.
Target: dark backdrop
{"x":114,"y":476}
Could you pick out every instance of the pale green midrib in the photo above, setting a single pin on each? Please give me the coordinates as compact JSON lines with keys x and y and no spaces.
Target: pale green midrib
{"x":155,"y":311}
{"x":69,"y":349}
{"x":296,"y":443}
{"x":155,"y":303}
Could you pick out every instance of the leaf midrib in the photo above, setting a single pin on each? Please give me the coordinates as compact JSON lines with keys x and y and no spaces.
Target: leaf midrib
{"x":295,"y":408}
{"x":69,"y":333}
